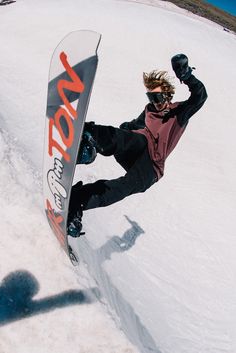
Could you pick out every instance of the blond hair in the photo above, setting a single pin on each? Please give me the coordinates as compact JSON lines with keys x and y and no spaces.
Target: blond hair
{"x":161,"y":79}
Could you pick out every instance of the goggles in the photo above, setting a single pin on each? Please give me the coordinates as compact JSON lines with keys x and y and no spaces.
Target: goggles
{"x":157,"y":97}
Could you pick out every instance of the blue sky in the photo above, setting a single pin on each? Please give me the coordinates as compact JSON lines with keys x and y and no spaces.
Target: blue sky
{"x":226,"y":5}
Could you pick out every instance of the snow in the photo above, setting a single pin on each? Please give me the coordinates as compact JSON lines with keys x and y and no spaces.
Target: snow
{"x":157,"y":270}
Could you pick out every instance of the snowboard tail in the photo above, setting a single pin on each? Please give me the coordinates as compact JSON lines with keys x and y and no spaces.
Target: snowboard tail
{"x":71,"y":76}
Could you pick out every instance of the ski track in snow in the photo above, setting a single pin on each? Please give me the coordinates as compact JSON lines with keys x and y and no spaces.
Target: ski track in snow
{"x":164,"y":274}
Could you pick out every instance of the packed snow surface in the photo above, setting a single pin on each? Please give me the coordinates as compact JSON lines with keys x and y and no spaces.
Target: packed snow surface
{"x":158,"y":269}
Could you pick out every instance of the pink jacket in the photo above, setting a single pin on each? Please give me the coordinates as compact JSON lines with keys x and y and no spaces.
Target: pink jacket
{"x":164,"y":129}
{"x":162,"y":138}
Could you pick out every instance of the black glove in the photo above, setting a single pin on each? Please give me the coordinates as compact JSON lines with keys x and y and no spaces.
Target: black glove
{"x":125,"y":126}
{"x":180,"y":66}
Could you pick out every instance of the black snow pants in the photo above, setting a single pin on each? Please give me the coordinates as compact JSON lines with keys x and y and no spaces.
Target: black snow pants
{"x":131,"y":152}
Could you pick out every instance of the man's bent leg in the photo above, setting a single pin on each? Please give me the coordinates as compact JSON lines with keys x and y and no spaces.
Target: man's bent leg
{"x":120,"y":143}
{"x":106,"y":192}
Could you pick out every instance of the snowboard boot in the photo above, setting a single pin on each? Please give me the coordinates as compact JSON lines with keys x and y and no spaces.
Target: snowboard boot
{"x":87,"y":151}
{"x":74,"y":224}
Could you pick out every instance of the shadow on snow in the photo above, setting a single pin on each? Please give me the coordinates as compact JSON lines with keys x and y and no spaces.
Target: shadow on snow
{"x":6,"y":2}
{"x":128,"y":319}
{"x":16,"y":298}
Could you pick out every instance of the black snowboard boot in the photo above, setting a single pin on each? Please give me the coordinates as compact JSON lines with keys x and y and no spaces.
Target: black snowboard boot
{"x":87,"y":151}
{"x":74,"y":228}
{"x":74,"y":222}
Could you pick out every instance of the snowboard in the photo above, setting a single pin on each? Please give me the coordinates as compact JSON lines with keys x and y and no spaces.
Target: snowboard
{"x":71,"y":75}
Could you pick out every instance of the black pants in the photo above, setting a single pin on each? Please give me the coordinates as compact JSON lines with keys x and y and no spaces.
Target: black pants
{"x":131,"y":152}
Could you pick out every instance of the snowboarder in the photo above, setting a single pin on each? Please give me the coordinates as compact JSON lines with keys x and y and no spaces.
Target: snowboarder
{"x":140,"y":146}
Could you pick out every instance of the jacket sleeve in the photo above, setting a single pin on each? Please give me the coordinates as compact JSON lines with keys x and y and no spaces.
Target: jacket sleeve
{"x":135,"y":124}
{"x":197,"y":98}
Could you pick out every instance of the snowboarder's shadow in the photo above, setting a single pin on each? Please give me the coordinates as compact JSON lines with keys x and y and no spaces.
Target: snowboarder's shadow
{"x":16,"y":297}
{"x":121,"y":244}
{"x":94,"y":259}
{"x":6,"y":2}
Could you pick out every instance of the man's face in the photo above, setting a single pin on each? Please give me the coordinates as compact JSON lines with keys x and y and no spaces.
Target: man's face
{"x":157,"y":100}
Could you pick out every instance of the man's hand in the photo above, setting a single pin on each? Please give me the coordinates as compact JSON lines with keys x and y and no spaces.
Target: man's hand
{"x":181,"y":68}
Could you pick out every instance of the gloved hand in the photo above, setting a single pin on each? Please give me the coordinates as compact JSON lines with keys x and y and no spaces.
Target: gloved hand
{"x":125,"y":126}
{"x":181,"y":68}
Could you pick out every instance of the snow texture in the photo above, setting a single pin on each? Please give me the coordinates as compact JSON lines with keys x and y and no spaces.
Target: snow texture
{"x":158,"y":269}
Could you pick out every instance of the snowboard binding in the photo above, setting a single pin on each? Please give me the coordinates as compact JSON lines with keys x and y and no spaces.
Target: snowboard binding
{"x":87,"y":151}
{"x":74,"y":228}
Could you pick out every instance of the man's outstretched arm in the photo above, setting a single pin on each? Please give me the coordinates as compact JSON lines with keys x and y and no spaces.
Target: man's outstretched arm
{"x":196,"y":100}
{"x":198,"y":96}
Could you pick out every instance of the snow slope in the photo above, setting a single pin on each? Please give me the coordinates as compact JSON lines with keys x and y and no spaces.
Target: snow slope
{"x":162,"y":264}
